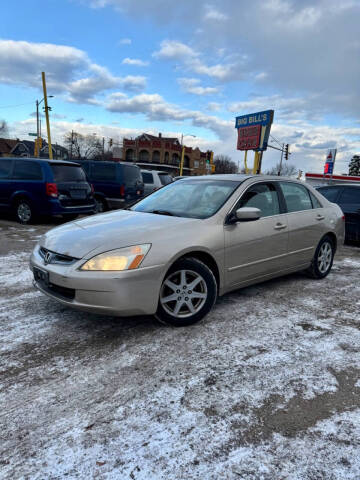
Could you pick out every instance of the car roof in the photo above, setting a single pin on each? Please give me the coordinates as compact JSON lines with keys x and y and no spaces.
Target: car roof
{"x":156,"y":171}
{"x":342,"y":185}
{"x":240,"y":177}
{"x":47,"y":160}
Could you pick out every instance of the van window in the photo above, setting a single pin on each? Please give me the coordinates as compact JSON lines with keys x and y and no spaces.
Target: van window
{"x":131,"y":174}
{"x":5,"y":167}
{"x":147,"y":177}
{"x":68,"y":173}
{"x":349,"y":196}
{"x":103,"y":171}
{"x":27,"y":170}
{"x":165,"y":178}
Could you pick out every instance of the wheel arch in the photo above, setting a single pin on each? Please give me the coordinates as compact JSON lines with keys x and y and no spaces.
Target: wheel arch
{"x":204,"y":257}
{"x":333,"y":238}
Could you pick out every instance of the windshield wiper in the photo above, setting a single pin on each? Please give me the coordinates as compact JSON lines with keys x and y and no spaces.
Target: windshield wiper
{"x":163,"y":212}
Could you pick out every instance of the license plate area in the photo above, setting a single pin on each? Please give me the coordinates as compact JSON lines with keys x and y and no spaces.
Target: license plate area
{"x":41,"y":276}
{"x":78,"y":194}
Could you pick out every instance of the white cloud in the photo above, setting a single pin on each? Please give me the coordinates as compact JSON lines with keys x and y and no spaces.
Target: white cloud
{"x":214,"y":106}
{"x":68,"y":70}
{"x":174,"y":50}
{"x":213,"y":14}
{"x":135,"y":61}
{"x":191,"y":85}
{"x":125,"y":41}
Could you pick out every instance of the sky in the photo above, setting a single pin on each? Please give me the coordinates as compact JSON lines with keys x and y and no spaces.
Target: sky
{"x":122,"y":67}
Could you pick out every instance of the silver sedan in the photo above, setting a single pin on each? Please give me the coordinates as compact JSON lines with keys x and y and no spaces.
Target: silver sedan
{"x":175,"y":251}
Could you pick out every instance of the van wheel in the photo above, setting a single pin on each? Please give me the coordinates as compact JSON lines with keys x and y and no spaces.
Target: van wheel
{"x":100,"y":205}
{"x":323,"y":259}
{"x":187,"y":294}
{"x":23,"y":212}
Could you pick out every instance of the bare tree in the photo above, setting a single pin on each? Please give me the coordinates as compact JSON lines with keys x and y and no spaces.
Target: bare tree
{"x":83,"y":146}
{"x":224,"y":164}
{"x":287,"y":170}
{"x":4,"y":131}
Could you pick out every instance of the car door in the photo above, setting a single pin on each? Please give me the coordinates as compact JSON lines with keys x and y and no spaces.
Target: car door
{"x":258,"y":248}
{"x":349,"y":202}
{"x":307,"y":223}
{"x":5,"y":184}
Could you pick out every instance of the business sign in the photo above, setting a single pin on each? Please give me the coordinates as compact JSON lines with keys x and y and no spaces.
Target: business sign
{"x":330,"y":161}
{"x":249,"y":137}
{"x":254,"y":130}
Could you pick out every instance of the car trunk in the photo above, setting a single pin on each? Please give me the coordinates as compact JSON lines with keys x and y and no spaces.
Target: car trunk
{"x":73,"y":187}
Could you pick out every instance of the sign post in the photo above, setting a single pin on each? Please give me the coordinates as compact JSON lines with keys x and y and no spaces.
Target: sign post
{"x":253,"y":134}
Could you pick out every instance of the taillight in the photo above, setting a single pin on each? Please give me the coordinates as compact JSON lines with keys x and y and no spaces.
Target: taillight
{"x":51,"y":190}
{"x":92,"y":188}
{"x":343,"y":218}
{"x":122,"y":190}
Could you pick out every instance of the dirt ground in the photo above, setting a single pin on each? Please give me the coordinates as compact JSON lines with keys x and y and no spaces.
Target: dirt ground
{"x":267,"y":387}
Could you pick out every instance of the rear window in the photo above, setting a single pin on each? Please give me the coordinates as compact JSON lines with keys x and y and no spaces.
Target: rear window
{"x":27,"y":170}
{"x":5,"y":167}
{"x":68,"y":173}
{"x":350,"y":195}
{"x":165,"y":178}
{"x":131,"y":174}
{"x":103,"y":171}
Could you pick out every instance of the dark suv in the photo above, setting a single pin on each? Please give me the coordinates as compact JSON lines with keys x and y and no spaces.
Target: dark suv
{"x":116,"y":185}
{"x":348,"y":199}
{"x":31,"y":186}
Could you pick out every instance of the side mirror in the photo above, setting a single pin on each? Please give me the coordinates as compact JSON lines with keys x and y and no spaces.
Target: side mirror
{"x":244,"y":214}
{"x":247,"y":213}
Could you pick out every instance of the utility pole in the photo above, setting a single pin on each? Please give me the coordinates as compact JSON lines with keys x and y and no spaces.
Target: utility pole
{"x":103,"y":148}
{"x":47,"y":115}
{"x":72,"y":142}
{"x":280,"y":166}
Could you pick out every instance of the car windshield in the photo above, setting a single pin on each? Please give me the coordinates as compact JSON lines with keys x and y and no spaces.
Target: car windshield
{"x":189,"y":198}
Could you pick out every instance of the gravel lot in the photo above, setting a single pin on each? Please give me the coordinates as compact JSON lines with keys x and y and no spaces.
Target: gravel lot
{"x":266,"y":387}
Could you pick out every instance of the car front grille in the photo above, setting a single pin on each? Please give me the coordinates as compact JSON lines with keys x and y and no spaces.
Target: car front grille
{"x":52,"y":257}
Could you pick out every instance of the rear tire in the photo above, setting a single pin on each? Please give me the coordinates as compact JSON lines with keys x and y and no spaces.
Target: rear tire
{"x":100,"y":205}
{"x":187,"y":293}
{"x":23,"y":211}
{"x":323,"y":259}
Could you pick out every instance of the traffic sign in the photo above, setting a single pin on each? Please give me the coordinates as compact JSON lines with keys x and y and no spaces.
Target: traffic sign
{"x":32,"y":134}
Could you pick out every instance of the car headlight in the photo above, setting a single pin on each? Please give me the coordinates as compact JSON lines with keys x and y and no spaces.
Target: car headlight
{"x":128,"y":258}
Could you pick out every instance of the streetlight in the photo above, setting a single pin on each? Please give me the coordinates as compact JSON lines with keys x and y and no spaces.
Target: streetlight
{"x":183,"y":151}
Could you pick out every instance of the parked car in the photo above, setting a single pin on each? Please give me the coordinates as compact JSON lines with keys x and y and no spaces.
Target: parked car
{"x":154,"y":179}
{"x":31,"y":186}
{"x":348,"y":198}
{"x":116,"y":185}
{"x":176,"y":250}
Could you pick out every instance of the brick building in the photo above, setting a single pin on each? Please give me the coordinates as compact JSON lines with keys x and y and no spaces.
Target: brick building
{"x":163,"y":153}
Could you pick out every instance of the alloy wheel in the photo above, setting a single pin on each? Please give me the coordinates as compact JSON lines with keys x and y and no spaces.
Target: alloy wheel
{"x":324,"y":257}
{"x":23,"y":212}
{"x":183,"y":293}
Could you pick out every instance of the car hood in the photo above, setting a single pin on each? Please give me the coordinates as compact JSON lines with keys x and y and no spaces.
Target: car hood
{"x":107,"y":231}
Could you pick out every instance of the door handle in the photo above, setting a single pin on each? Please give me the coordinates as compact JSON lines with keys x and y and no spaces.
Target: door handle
{"x":320,"y":217}
{"x":280,"y":226}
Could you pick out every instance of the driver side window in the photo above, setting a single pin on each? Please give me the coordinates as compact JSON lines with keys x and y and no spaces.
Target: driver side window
{"x":262,"y":196}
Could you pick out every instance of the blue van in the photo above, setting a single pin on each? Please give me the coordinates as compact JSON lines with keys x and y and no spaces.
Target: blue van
{"x":30,"y":187}
{"x":116,"y":184}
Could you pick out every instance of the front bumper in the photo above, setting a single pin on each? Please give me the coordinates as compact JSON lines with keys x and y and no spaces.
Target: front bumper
{"x":128,"y":293}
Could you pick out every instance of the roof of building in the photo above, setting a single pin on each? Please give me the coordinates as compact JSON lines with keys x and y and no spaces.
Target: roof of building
{"x":6,"y":145}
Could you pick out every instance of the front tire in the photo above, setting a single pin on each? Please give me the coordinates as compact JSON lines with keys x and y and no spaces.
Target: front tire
{"x":23,"y":211}
{"x":323,"y":259}
{"x":187,"y":293}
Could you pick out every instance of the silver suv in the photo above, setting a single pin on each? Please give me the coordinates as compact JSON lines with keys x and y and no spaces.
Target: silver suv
{"x":154,"y":179}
